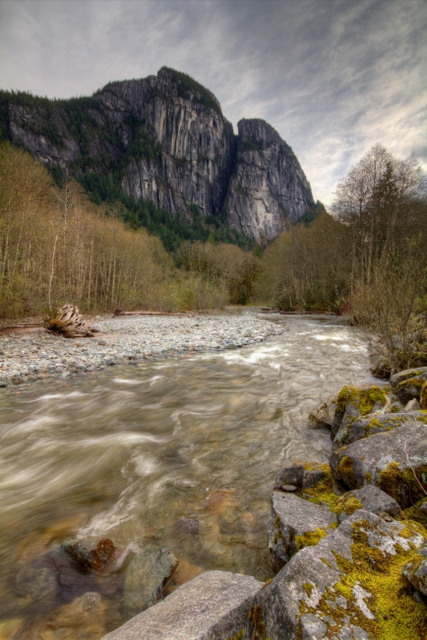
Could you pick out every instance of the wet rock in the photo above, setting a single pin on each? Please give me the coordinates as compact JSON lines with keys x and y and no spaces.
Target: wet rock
{"x":295,"y":523}
{"x":146,"y":577}
{"x":354,"y":403}
{"x":3,"y":384}
{"x":187,"y":525}
{"x":323,"y":415}
{"x":89,"y":553}
{"x":396,"y":462}
{"x":377,"y":423}
{"x":332,"y":583}
{"x":371,"y":499}
{"x":213,"y":605}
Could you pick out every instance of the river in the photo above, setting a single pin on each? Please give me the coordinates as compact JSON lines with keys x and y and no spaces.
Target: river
{"x":181,"y":452}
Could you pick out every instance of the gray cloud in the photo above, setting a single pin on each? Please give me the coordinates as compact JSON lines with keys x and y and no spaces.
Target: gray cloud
{"x":332,"y":76}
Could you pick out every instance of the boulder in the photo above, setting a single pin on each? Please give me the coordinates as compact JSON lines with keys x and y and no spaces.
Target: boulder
{"x":323,"y":415}
{"x":377,"y":423}
{"x":416,"y":571}
{"x":371,"y":499}
{"x":214,"y":605}
{"x":408,"y":383}
{"x":146,"y":576}
{"x":395,"y":461}
{"x":344,"y":587}
{"x":295,"y":523}
{"x":302,"y":475}
{"x":354,"y":403}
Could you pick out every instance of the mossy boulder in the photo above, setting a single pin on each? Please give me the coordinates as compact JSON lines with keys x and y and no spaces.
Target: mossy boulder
{"x":354,"y":403}
{"x":418,"y":512}
{"x":302,"y":475}
{"x":295,"y":523}
{"x":408,"y":384}
{"x":395,"y":461}
{"x":371,"y":499}
{"x":377,"y":423}
{"x":347,"y":586}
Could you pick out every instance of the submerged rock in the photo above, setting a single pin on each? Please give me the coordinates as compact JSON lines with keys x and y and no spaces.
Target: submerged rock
{"x":396,"y":462}
{"x":213,"y":605}
{"x":89,"y":553}
{"x":146,"y":577}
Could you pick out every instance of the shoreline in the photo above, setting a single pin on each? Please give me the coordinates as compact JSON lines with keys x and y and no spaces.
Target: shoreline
{"x":35,"y":354}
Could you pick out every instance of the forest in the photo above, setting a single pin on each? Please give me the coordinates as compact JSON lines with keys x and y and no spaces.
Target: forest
{"x":366,"y":255}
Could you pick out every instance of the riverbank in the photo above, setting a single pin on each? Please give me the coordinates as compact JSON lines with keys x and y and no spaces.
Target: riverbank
{"x":35,"y":355}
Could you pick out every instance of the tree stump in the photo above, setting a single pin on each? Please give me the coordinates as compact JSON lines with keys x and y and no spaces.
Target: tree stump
{"x":70,"y":323}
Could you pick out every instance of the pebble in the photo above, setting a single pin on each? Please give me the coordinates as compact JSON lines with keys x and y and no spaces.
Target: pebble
{"x":127,"y":340}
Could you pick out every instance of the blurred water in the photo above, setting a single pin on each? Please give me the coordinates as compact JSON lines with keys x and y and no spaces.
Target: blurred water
{"x":131,"y":452}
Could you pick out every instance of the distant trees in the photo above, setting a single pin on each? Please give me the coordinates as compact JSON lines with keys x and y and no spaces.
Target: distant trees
{"x":382,"y":203}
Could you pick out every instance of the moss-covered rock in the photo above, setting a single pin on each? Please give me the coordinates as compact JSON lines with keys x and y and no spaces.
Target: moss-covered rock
{"x":354,"y":403}
{"x":396,"y":462}
{"x":423,"y":396}
{"x":349,"y":585}
{"x":377,"y":423}
{"x":294,"y":524}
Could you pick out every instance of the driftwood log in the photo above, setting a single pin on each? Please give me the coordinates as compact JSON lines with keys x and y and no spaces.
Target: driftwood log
{"x":70,"y":323}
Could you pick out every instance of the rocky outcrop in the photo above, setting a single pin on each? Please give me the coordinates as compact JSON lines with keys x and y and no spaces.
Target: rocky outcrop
{"x":268,"y":188}
{"x":166,"y":140}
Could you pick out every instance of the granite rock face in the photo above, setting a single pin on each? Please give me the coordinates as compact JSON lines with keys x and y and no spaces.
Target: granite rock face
{"x":167,"y":138}
{"x":268,"y":189}
{"x":214,"y":605}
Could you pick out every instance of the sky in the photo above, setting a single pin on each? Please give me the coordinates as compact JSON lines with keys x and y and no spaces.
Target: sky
{"x":333,"y":77}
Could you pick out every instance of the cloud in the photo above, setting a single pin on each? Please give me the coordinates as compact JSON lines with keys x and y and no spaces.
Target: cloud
{"x":332,"y":76}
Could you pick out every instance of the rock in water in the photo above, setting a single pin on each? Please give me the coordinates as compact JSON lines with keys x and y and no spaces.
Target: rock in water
{"x":146,"y":577}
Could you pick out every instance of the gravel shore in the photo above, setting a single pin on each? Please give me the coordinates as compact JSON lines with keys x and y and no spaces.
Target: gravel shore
{"x":129,"y":339}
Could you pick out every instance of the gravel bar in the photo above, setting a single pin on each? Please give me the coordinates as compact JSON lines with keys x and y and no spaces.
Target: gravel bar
{"x":127,"y":339}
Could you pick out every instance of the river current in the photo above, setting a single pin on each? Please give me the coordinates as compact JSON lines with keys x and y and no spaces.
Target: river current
{"x":181,"y":452}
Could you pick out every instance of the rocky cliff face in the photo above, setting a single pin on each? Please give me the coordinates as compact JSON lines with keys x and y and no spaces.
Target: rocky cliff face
{"x":164,"y":139}
{"x":268,"y":187}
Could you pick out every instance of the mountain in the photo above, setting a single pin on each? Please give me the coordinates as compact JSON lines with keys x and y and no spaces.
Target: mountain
{"x":164,"y":139}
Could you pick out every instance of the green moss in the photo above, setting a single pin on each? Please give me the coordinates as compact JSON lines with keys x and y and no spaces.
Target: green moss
{"x":308,"y":588}
{"x":309,"y":538}
{"x":348,"y":504}
{"x":278,"y":532}
{"x":239,"y":636}
{"x":368,"y":477}
{"x":396,"y":481}
{"x":396,"y":614}
{"x":416,"y":513}
{"x":347,"y":472}
{"x":423,"y":396}
{"x":363,"y":399}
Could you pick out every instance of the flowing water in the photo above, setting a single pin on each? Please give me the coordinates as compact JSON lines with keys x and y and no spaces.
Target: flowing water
{"x":179,"y":452}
